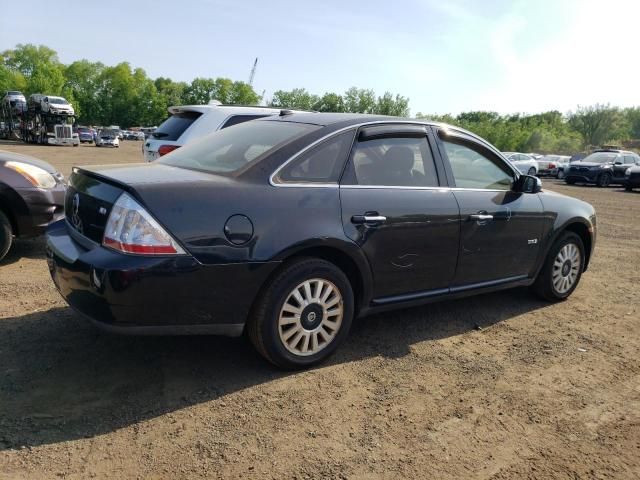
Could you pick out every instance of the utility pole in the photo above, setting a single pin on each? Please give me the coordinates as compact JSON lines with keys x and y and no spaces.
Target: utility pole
{"x":253,"y":72}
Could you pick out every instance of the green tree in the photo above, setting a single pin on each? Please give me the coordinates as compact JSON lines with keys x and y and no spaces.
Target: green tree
{"x":598,"y":124}
{"x":388,"y":105}
{"x":82,"y":79}
{"x":40,"y":67}
{"x":298,"y":98}
{"x":359,"y":100}
{"x":330,"y":102}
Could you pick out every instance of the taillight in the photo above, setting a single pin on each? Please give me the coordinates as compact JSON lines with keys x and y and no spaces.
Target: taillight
{"x":130,"y":229}
{"x":164,"y":149}
{"x":552,"y":165}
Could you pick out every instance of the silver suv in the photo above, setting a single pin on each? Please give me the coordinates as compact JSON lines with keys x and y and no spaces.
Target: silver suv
{"x":190,"y":122}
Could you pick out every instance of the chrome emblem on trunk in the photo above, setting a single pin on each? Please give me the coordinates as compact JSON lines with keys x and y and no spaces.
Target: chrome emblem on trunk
{"x":75,"y":217}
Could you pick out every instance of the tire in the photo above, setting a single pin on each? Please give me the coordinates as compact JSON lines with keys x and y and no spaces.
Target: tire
{"x":273,"y":316}
{"x":560,"y":175}
{"x":628,"y":188}
{"x":549,"y":284}
{"x":6,"y":235}
{"x":604,"y":180}
{"x":570,"y":181}
{"x":531,"y":172}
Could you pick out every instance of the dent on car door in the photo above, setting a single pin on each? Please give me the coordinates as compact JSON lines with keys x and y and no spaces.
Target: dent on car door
{"x":393,"y":208}
{"x":500,"y":229}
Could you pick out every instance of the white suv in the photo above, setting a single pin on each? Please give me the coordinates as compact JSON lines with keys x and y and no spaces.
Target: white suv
{"x":190,"y":122}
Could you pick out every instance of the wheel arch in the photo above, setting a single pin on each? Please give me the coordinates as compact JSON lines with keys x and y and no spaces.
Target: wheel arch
{"x":346,"y":256}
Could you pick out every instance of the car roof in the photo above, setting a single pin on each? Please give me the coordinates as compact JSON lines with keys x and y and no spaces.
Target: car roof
{"x":344,"y":120}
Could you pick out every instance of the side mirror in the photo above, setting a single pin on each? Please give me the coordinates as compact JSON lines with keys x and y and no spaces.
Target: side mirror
{"x":527,"y":184}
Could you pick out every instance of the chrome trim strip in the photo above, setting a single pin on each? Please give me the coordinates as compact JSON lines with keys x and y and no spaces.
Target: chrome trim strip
{"x":356,"y":126}
{"x":304,"y":150}
{"x":443,"y":189}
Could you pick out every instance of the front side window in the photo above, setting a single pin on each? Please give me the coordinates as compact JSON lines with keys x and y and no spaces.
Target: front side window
{"x":321,"y":164}
{"x":473,"y":169}
{"x":401,"y":162}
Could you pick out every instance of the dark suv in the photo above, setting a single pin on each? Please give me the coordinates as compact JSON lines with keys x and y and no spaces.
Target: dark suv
{"x":31,"y":197}
{"x":602,"y":167}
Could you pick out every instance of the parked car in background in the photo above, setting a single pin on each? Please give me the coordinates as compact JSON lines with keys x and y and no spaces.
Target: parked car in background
{"x":50,"y":104}
{"x":191,"y":122}
{"x":535,"y":156}
{"x":523,"y":162}
{"x":292,"y":225}
{"x":107,"y":138}
{"x":632,"y":178}
{"x":31,"y":197}
{"x":548,"y":164}
{"x":14,"y":100}
{"x":603,"y":167}
{"x":85,"y":134}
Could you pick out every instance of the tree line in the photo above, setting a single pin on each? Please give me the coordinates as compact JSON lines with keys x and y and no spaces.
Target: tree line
{"x":126,"y":96}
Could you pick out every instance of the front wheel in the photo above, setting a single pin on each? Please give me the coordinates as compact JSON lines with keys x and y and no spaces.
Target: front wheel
{"x":6,"y":235}
{"x":562,"y":268}
{"x":604,"y":179}
{"x":628,"y":188}
{"x":304,"y":314}
{"x":532,"y":171}
{"x":560,"y":174}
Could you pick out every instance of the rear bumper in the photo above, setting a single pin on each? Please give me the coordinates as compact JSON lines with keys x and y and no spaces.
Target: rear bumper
{"x":548,"y":172}
{"x":151,"y":295}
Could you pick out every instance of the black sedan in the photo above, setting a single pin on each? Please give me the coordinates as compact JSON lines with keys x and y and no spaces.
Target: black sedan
{"x":31,"y":197}
{"x":603,"y":167}
{"x":288,"y":227}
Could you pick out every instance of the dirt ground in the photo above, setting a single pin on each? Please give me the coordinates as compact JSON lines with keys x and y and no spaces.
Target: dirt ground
{"x":497,"y":386}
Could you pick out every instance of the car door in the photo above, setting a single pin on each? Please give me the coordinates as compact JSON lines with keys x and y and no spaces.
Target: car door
{"x":621,"y":164}
{"x":394,"y":208}
{"x":500,"y":229}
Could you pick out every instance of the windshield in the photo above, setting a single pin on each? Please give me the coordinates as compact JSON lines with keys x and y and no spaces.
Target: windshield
{"x":231,"y":149}
{"x":57,"y":100}
{"x":601,"y":157}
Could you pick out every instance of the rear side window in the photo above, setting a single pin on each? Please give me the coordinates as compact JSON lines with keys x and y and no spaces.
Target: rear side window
{"x":400,"y":162}
{"x":231,"y":149}
{"x":236,"y":119}
{"x":175,"y":125}
{"x":321,"y":164}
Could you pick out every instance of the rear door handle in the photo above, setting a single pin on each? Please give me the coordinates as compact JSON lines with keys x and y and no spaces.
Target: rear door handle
{"x":481,"y":217}
{"x":368,"y":219}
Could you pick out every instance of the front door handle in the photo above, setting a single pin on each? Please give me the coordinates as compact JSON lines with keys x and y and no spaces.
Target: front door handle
{"x":368,"y":219}
{"x":481,"y":217}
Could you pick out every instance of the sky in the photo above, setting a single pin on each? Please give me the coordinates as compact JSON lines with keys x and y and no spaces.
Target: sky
{"x":446,"y":56}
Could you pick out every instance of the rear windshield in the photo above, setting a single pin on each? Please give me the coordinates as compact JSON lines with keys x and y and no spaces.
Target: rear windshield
{"x":229,"y":150}
{"x":175,"y":125}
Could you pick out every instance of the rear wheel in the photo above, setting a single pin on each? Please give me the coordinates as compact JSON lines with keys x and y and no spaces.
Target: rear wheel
{"x":6,"y":235}
{"x":303,"y":315}
{"x":604,"y":179}
{"x":532,"y":171}
{"x":562,"y":269}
